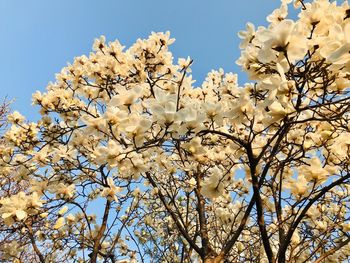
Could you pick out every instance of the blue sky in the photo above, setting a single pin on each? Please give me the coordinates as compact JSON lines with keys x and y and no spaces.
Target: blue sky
{"x":39,"y":37}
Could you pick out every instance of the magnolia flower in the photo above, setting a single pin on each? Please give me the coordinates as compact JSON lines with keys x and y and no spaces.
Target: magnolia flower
{"x":184,"y":63}
{"x":114,"y":115}
{"x":241,"y":108}
{"x":315,"y":171}
{"x":110,"y":191}
{"x":317,"y":16}
{"x":99,"y":43}
{"x":62,"y":190}
{"x":107,"y":154}
{"x":213,"y":186}
{"x":64,"y":152}
{"x":191,"y":184}
{"x":276,"y":111}
{"x":285,"y":37}
{"x":136,"y":127}
{"x":41,"y":156}
{"x":192,"y":120}
{"x":165,"y":115}
{"x":299,"y":187}
{"x":194,"y":147}
{"x":164,"y":108}
{"x":70,"y":218}
{"x":337,"y":50}
{"x":340,"y":146}
{"x":278,"y":14}
{"x":38,"y":186}
{"x":16,"y":117}
{"x":63,"y":210}
{"x":59,"y":223}
{"x":246,"y":36}
{"x":213,"y":112}
{"x":126,"y":97}
{"x":98,"y":123}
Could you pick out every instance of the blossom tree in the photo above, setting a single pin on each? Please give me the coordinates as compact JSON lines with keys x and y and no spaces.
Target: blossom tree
{"x":131,"y":163}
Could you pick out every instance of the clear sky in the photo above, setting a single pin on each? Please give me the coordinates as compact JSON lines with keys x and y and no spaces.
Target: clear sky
{"x":39,"y":37}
